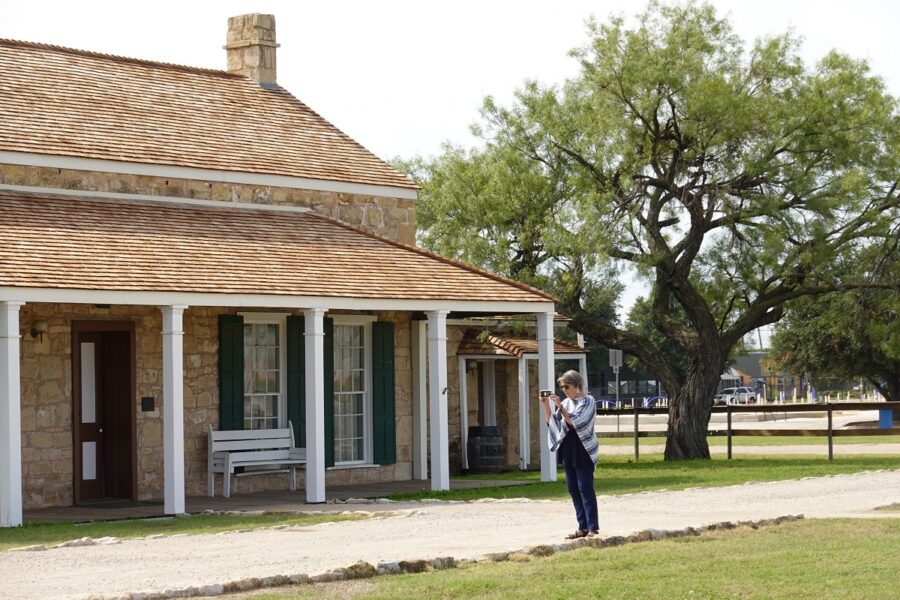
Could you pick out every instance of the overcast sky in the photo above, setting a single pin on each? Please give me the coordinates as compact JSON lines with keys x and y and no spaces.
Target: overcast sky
{"x":401,"y":77}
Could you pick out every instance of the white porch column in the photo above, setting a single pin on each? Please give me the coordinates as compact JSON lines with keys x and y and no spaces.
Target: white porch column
{"x":10,"y":417}
{"x":463,"y":414}
{"x":437,"y":397}
{"x":582,"y":368}
{"x":420,"y":397}
{"x":545,"y":382}
{"x":314,"y":339}
{"x":173,"y":407}
{"x":524,"y":415}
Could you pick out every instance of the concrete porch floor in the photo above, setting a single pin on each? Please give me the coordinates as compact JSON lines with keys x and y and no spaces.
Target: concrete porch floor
{"x":271,"y":501}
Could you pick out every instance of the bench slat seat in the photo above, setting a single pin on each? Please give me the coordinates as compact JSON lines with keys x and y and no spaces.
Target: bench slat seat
{"x":252,"y":448}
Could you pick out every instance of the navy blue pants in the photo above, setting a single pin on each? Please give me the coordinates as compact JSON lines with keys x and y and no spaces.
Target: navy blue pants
{"x":580,"y":481}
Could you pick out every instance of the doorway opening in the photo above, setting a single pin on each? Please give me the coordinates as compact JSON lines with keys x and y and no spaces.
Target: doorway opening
{"x":103,"y":386}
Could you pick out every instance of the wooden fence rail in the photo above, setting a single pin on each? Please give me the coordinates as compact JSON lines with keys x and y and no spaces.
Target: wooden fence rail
{"x":827,"y":407}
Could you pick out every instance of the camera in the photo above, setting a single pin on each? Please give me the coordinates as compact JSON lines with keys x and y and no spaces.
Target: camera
{"x":546,"y":393}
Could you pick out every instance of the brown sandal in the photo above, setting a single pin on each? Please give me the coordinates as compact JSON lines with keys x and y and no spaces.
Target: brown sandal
{"x":578,"y":533}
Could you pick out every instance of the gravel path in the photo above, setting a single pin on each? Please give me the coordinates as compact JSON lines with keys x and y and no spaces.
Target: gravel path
{"x":417,"y":531}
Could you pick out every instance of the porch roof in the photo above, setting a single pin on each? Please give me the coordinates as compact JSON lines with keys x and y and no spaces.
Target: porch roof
{"x":495,"y":345}
{"x":75,"y":243}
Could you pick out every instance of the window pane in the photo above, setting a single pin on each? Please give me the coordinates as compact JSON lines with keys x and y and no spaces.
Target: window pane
{"x":262,"y":375}
{"x":349,"y":393}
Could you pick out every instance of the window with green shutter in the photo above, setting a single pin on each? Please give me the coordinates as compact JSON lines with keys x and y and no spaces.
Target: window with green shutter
{"x":384,"y":426}
{"x":231,"y":372}
{"x":296,"y":383}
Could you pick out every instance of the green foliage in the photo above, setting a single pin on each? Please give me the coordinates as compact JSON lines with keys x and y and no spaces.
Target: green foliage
{"x":640,"y":322}
{"x":730,"y":178}
{"x":844,"y":336}
{"x":810,"y":559}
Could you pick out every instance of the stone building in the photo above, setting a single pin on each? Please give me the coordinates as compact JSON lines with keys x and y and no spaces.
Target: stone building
{"x":183,"y":248}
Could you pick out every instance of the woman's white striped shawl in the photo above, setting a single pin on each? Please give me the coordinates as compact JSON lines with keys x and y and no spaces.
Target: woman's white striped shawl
{"x":582,"y":411}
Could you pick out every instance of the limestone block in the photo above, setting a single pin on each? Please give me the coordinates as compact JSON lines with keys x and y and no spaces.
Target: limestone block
{"x":50,"y":367}
{"x":188,"y":397}
{"x":350,"y":214}
{"x":404,"y":431}
{"x":151,"y":434}
{"x":373,"y":217}
{"x":41,"y":439}
{"x":204,"y":399}
{"x":199,"y":417}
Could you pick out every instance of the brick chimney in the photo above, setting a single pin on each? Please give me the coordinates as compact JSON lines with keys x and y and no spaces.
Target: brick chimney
{"x":251,"y":47}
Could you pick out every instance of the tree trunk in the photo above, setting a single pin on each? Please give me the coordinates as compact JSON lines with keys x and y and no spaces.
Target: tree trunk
{"x":689,"y":410}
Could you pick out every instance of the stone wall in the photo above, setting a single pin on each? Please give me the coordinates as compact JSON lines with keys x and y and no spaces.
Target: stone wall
{"x":393,"y":218}
{"x":47,"y":426}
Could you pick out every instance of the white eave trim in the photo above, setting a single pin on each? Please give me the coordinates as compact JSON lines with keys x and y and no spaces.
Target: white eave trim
{"x":92,"y":195}
{"x":78,"y":296}
{"x":175,"y":172}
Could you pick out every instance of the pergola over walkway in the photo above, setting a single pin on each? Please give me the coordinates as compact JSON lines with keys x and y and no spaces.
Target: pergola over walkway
{"x":521,"y":349}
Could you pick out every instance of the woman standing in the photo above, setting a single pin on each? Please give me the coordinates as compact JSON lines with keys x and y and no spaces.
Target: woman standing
{"x":571,"y":434}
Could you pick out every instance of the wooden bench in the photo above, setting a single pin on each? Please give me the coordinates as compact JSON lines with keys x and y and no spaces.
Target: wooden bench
{"x":251,"y":448}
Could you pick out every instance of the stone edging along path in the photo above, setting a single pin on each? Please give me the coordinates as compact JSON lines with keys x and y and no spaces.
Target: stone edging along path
{"x":364,"y":570}
{"x":441,"y":534}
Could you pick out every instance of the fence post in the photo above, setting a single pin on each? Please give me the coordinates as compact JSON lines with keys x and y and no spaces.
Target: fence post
{"x":636,"y":449}
{"x":830,"y":438}
{"x":728,"y":413}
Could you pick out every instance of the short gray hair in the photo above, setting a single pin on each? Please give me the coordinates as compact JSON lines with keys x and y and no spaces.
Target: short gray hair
{"x":573,"y":378}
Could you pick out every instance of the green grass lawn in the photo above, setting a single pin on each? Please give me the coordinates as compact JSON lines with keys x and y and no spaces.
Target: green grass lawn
{"x":802,"y":560}
{"x":54,"y":533}
{"x":763,"y":441}
{"x":622,"y":475}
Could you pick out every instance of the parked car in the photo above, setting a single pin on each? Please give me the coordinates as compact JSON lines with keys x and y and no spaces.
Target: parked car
{"x":735,"y":395}
{"x":605,"y":403}
{"x":654,"y":401}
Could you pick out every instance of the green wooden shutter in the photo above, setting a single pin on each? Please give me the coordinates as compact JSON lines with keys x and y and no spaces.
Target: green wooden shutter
{"x":231,"y":372}
{"x":329,"y":391}
{"x":296,"y":380}
{"x":384,"y":426}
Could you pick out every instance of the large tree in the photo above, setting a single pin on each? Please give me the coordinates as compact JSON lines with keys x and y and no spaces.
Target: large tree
{"x":728,"y":177}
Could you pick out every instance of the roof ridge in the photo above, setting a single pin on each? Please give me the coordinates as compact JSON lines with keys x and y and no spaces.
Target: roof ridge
{"x":119,"y":58}
{"x":434,"y":255}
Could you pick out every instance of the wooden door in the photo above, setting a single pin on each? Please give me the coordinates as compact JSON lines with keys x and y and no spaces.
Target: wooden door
{"x":103,"y":415}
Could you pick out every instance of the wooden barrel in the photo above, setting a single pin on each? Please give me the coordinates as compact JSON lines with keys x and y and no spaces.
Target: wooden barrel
{"x":485,"y":449}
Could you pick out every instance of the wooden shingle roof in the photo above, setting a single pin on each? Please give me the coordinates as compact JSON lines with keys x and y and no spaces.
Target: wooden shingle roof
{"x":64,"y":242}
{"x":60,"y":101}
{"x":473,"y":343}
